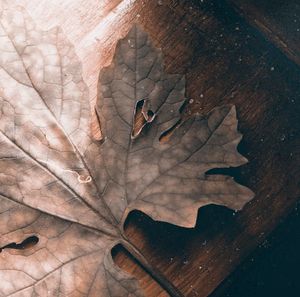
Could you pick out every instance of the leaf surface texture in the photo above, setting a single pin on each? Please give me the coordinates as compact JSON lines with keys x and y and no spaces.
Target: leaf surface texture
{"x":74,"y":193}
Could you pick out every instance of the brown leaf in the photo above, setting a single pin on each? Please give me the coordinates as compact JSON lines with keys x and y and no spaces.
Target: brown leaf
{"x":63,"y":196}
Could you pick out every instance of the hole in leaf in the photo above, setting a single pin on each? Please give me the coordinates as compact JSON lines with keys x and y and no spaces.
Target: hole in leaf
{"x":183,"y":106}
{"x":165,"y":136}
{"x":142,"y":116}
{"x":139,"y":120}
{"x":234,"y":172}
{"x":150,"y":115}
{"x":25,"y":244}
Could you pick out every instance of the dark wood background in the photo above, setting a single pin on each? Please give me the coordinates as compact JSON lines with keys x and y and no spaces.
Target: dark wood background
{"x":272,"y":269}
{"x":240,"y":52}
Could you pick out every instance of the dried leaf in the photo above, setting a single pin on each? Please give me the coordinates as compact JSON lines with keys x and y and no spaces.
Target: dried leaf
{"x":64,"y":197}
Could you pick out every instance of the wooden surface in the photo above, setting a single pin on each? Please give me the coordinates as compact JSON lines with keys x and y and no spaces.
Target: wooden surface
{"x":278,"y":20}
{"x":272,"y":269}
{"x":226,"y":61}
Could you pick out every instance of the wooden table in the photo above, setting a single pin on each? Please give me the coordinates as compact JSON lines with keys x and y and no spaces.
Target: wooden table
{"x":226,"y":60}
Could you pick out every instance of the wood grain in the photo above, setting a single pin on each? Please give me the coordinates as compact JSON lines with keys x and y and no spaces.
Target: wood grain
{"x":278,"y":20}
{"x":226,"y":61}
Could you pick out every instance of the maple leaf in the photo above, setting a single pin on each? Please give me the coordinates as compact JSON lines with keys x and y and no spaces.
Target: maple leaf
{"x":69,"y":194}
